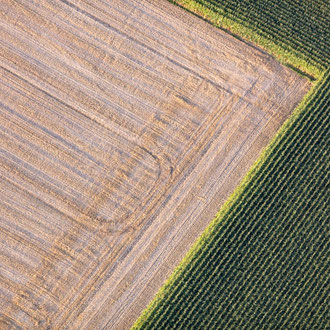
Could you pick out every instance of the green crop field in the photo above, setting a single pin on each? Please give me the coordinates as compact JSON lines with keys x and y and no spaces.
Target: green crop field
{"x":296,"y":32}
{"x":264,"y":261}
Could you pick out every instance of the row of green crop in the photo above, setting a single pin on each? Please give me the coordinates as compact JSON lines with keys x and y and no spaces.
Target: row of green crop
{"x":291,"y":26}
{"x":216,"y":279}
{"x":297,"y":40}
{"x":264,"y":258}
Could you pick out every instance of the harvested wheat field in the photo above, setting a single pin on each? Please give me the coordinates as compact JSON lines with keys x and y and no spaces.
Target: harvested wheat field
{"x":124,"y":126}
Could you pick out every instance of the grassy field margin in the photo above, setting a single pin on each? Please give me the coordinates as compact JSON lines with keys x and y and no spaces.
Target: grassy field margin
{"x":289,"y":57}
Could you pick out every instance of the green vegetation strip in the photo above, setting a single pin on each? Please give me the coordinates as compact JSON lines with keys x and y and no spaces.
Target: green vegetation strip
{"x":295,"y":32}
{"x":264,"y":261}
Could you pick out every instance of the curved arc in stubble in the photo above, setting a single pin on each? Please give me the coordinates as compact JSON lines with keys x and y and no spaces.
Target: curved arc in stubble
{"x":242,"y":191}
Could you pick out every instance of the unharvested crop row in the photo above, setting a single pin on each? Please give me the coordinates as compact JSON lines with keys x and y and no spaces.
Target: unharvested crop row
{"x":300,"y":25}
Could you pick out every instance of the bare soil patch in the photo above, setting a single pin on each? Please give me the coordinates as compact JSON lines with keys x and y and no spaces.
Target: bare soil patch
{"x":124,"y":126}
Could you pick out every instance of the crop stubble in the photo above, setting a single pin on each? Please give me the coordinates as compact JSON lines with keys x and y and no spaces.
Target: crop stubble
{"x":124,"y":125}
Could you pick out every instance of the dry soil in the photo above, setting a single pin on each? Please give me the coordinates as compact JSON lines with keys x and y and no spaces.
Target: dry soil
{"x":124,"y":125}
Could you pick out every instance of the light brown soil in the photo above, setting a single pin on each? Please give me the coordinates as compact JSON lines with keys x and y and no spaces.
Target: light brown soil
{"x":124,"y":126}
